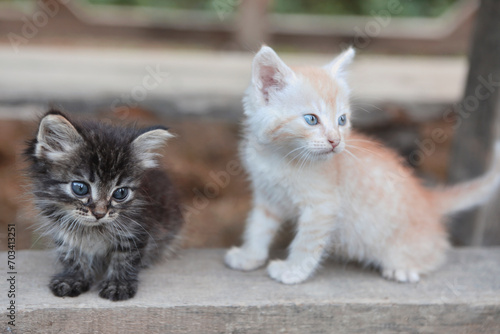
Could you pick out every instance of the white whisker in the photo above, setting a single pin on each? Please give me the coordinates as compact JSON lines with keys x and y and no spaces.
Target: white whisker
{"x":351,"y":154}
{"x":363,"y":149}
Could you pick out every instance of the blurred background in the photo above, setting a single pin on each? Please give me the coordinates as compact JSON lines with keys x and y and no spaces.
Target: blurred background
{"x":186,"y":64}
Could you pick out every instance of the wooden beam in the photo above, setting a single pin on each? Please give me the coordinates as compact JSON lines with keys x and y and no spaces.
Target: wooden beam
{"x":196,"y":293}
{"x":477,"y":113}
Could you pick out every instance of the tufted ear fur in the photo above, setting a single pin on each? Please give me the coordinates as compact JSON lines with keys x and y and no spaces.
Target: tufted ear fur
{"x":56,"y":137}
{"x":269,"y":73}
{"x":146,"y":145}
{"x":338,"y":66}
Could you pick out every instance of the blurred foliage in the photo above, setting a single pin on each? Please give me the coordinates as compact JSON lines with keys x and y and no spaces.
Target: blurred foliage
{"x":362,"y":7}
{"x":179,"y":4}
{"x":425,"y":8}
{"x":429,"y":8}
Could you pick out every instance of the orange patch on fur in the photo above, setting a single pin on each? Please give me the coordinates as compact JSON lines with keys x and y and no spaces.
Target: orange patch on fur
{"x":268,"y":213}
{"x":280,"y":126}
{"x":321,"y":82}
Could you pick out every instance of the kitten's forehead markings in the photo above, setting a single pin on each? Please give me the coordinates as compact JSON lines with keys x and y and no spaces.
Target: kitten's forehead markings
{"x":322,"y":83}
{"x":119,"y":180}
{"x":107,"y":191}
{"x":95,"y":191}
{"x":91,"y":175}
{"x":342,"y":106}
{"x":97,"y":188}
{"x":79,"y":174}
{"x":324,"y":111}
{"x":325,"y":114}
{"x":122,"y":181}
{"x":117,"y":183}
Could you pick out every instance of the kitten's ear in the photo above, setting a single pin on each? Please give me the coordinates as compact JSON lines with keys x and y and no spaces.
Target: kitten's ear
{"x":269,"y":73}
{"x":338,"y":65}
{"x":56,"y":137}
{"x":146,"y":145}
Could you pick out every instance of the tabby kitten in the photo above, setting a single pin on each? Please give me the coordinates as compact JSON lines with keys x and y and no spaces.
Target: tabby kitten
{"x":348,"y":194}
{"x":108,"y":207}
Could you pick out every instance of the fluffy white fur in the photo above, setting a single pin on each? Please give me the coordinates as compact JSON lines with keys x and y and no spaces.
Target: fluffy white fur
{"x":347,"y":194}
{"x":148,"y":143}
{"x":56,"y":138}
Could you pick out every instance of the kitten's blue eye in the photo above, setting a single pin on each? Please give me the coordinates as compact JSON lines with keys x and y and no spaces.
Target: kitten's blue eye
{"x":311,"y":119}
{"x":79,"y":188}
{"x":120,"y":194}
{"x":342,"y":120}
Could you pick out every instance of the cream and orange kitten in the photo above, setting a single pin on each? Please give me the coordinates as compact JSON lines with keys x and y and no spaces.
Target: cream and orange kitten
{"x":348,"y":194}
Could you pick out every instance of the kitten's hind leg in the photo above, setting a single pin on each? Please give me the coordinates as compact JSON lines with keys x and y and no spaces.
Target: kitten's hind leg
{"x":306,"y":250}
{"x":409,"y":257}
{"x":262,"y":225}
{"x":76,"y":278}
{"x":122,"y":275}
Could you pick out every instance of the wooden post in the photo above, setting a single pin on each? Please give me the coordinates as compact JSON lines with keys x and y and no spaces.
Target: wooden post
{"x":477,"y":115}
{"x":252,"y":24}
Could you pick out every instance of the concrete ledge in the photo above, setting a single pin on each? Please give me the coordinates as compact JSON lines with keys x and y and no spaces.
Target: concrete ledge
{"x":195,"y":293}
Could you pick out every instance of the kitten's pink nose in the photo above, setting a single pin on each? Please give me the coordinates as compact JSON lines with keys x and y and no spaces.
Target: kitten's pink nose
{"x":100,"y":210}
{"x":334,"y":143}
{"x":98,"y":214}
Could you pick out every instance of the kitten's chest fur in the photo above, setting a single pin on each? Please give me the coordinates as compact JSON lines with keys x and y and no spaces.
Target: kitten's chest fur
{"x":88,"y":241}
{"x":285,"y":185}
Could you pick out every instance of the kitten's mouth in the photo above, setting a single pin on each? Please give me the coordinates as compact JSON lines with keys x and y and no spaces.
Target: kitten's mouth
{"x":331,"y":151}
{"x":334,"y":150}
{"x":325,"y":154}
{"x":91,"y":223}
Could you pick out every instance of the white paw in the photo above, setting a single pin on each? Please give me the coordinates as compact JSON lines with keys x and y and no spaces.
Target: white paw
{"x":284,"y":272}
{"x":240,"y":259}
{"x":401,"y":275}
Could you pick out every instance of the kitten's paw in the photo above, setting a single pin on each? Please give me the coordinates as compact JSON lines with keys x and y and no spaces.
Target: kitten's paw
{"x":114,"y":289}
{"x":68,"y":286}
{"x":284,"y":272}
{"x":401,"y":275}
{"x":238,"y":258}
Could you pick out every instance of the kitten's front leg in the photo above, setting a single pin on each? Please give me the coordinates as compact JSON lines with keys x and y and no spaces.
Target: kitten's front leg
{"x":306,"y":250}
{"x":122,"y":275}
{"x":76,"y":277}
{"x":262,"y":225}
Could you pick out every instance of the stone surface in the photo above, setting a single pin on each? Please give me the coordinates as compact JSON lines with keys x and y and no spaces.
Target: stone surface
{"x":195,"y":293}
